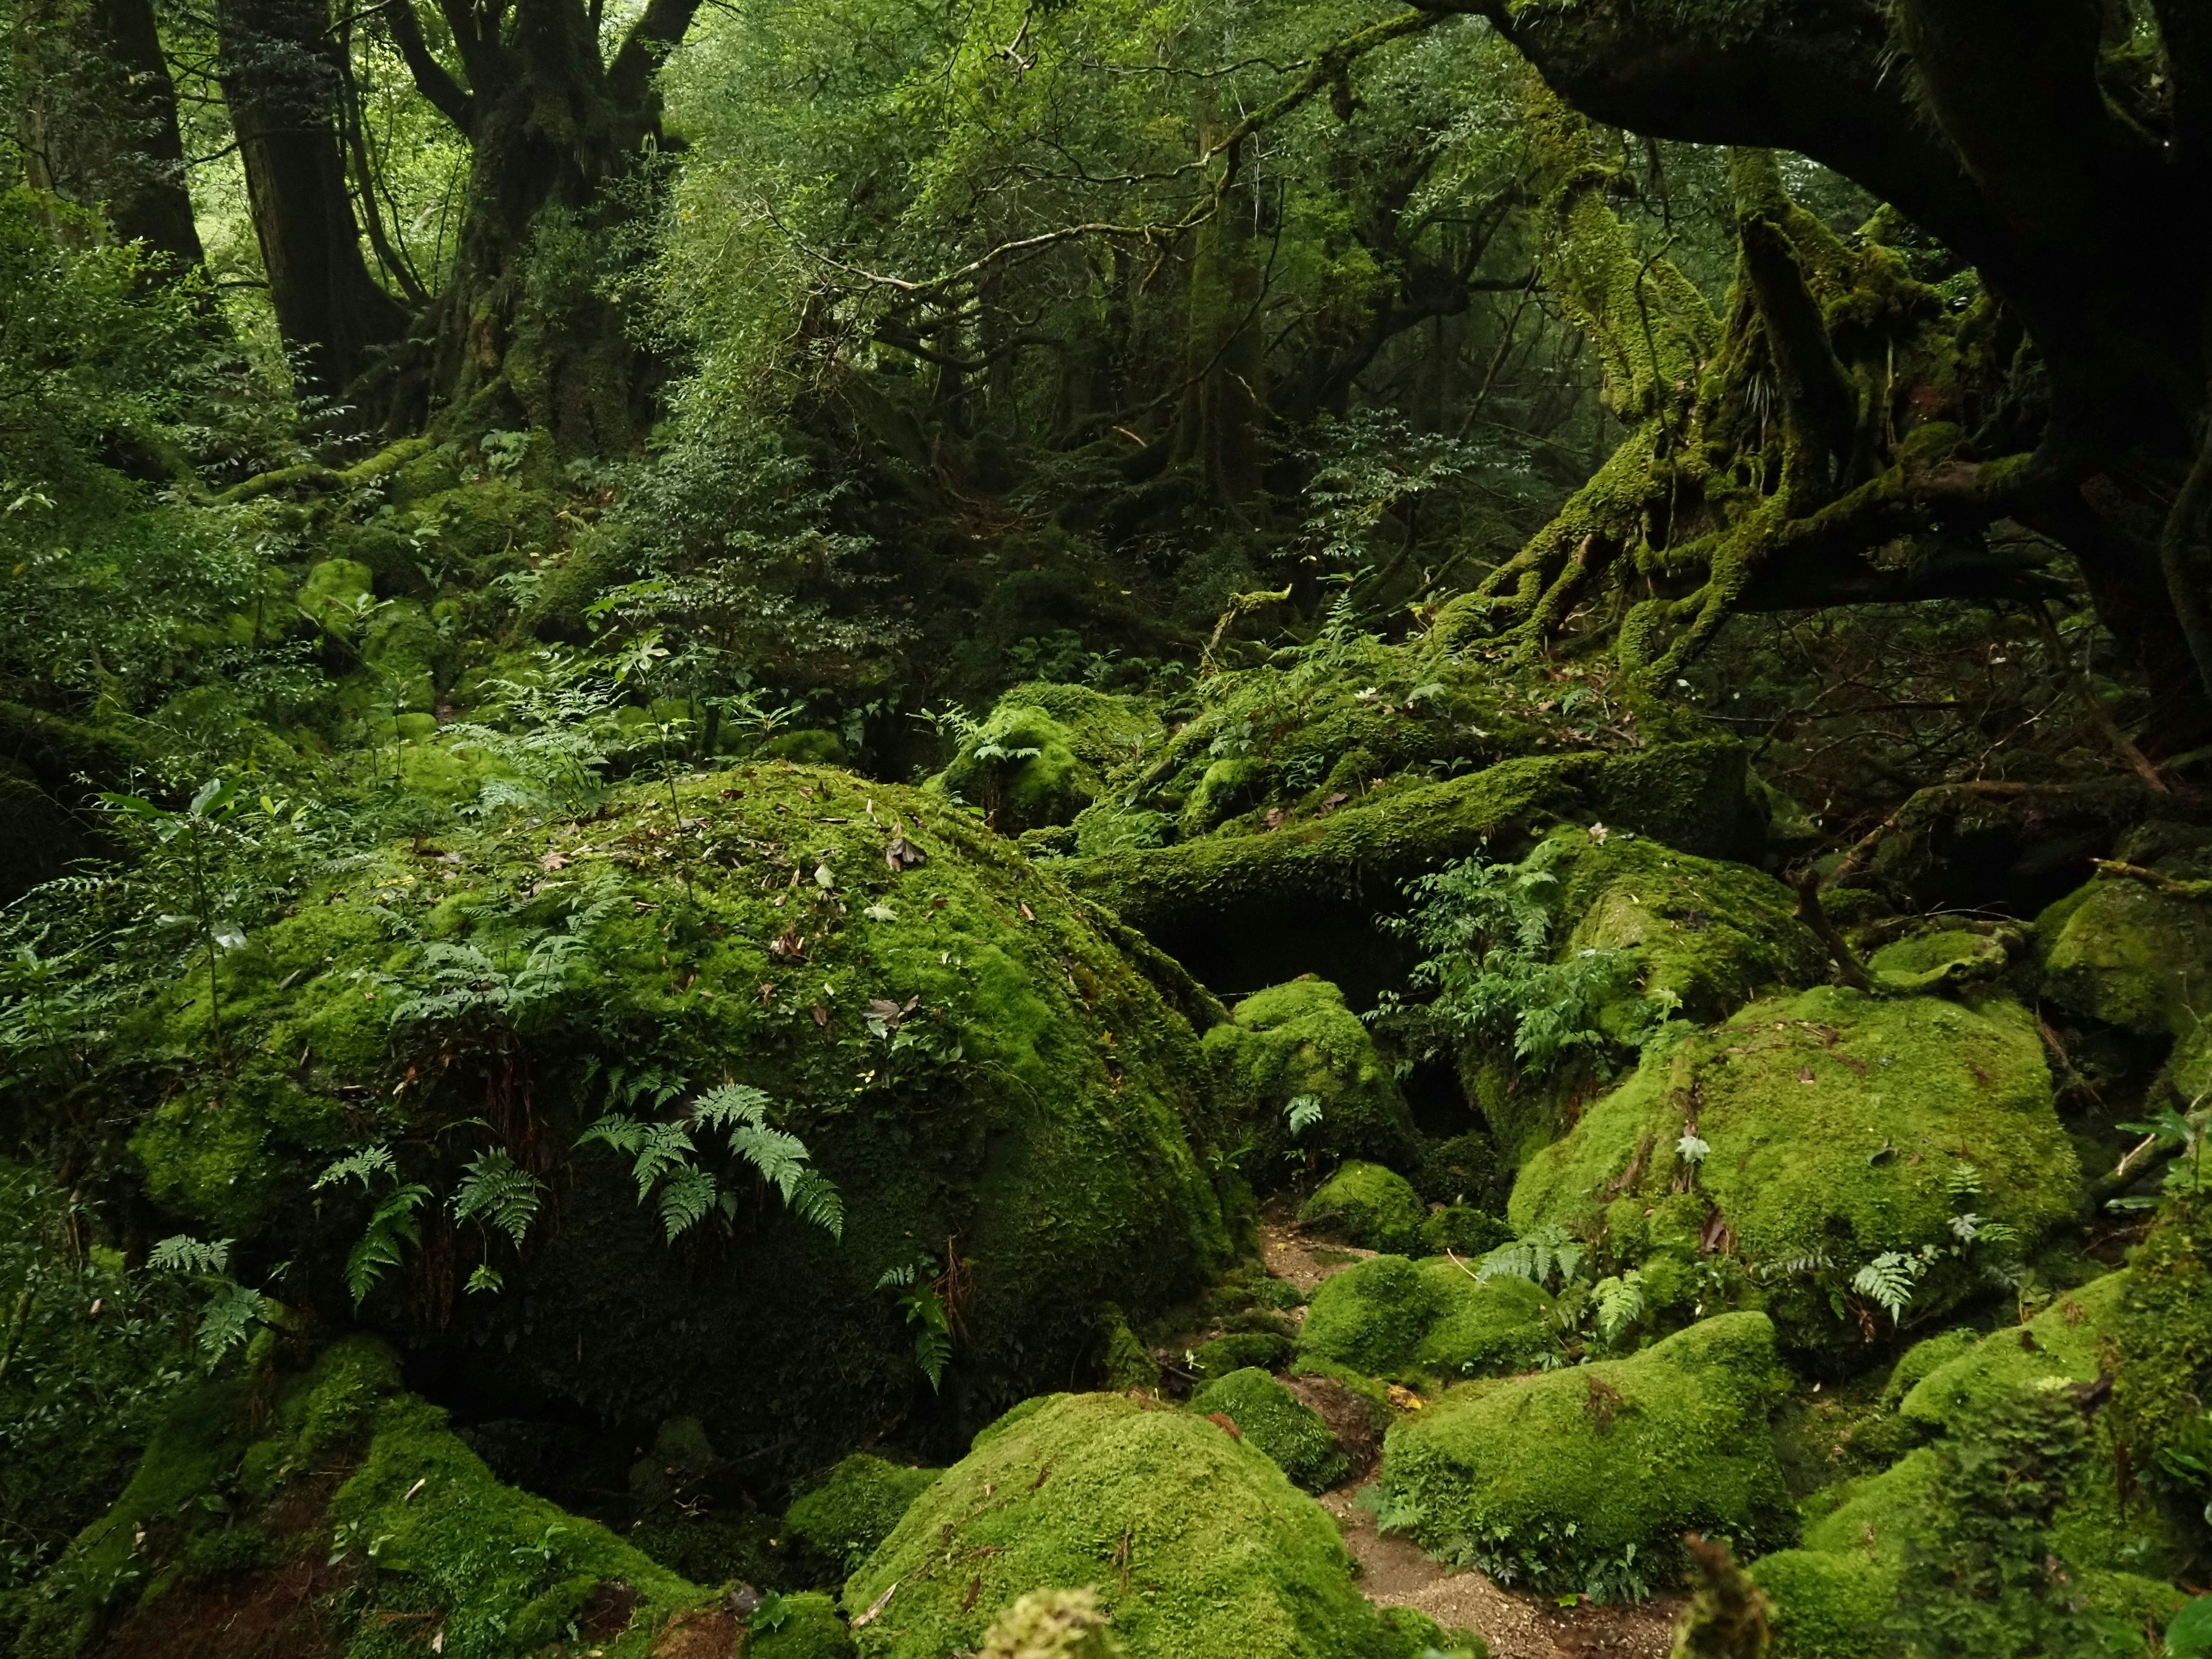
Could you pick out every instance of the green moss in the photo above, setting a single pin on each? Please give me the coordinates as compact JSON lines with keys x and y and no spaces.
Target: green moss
{"x":1299,"y":1043}
{"x":807,"y":1626}
{"x":1928,"y":961}
{"x":842,"y":1520}
{"x":1041,"y":1101}
{"x":1239,"y":1351}
{"x":1463,"y":1231}
{"x":1923,"y":1357}
{"x":2126,"y":953}
{"x":1124,"y":1362}
{"x":503,"y":1571}
{"x":1462,"y":1169}
{"x":1197,"y":1545}
{"x":338,"y":596}
{"x":1585,"y":1479}
{"x":1051,"y":1624}
{"x":1043,"y":754}
{"x":1418,"y":1322}
{"x":1368,"y":1206}
{"x":810,"y":746}
{"x":1840,"y":1127}
{"x":1281,"y":1424}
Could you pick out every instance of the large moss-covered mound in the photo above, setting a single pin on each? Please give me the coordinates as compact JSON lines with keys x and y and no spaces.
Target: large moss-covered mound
{"x":1299,"y":1045}
{"x":1015,"y":1117}
{"x":1421,"y":1320}
{"x":336,"y":1513}
{"x":1837,"y":1128}
{"x":1043,"y":752}
{"x":1197,"y":1545}
{"x":1586,"y":1479}
{"x":1367,"y":1205}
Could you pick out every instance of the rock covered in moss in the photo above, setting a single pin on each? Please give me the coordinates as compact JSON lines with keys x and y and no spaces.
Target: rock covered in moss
{"x":1240,"y":1350}
{"x":1415,"y":1320}
{"x":1196,"y":1545}
{"x":1461,"y":1169}
{"x":1462,"y":1229}
{"x":806,"y":1626}
{"x":1586,"y":1479}
{"x":2129,"y":954}
{"x":1931,"y":961}
{"x":1043,"y":754}
{"x":842,"y":1520}
{"x":1826,"y":1130}
{"x":254,"y":1473}
{"x":1309,"y":1066}
{"x":1279,"y":1423}
{"x":967,"y":1052}
{"x":1367,"y":1205}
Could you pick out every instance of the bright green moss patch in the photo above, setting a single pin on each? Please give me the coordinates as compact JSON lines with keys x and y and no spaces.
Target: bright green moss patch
{"x":1240,"y":1350}
{"x":842,"y":1520}
{"x":1279,"y":1423}
{"x":1927,"y":962}
{"x":1837,"y":1128}
{"x":1043,"y":754}
{"x":1197,"y":1545}
{"x":2126,"y":953}
{"x":1368,"y":1206}
{"x":1309,"y":1066}
{"x":1422,"y":1320}
{"x":802,"y":1626}
{"x":1586,"y":1479}
{"x":1924,"y":1356}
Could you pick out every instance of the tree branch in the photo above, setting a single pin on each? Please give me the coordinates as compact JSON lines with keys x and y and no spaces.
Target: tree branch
{"x":650,"y":39}
{"x":446,"y":95}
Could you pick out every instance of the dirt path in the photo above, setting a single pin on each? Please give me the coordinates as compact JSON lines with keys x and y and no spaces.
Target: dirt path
{"x":1394,"y":1573}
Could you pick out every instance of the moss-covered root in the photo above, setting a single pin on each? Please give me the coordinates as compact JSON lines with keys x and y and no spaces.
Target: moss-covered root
{"x":1587,"y":1479}
{"x":1369,"y":1207}
{"x":1195,"y":1544}
{"x":841,"y":1521}
{"x":1306,"y":1065}
{"x":343,"y":1510}
{"x":1271,"y":1417}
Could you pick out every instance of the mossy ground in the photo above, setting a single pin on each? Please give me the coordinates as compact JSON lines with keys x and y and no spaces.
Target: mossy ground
{"x":1197,"y":1544}
{"x":964,"y":1049}
{"x":1585,"y":1479}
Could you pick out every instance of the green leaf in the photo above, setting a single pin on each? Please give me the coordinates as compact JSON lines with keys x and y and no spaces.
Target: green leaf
{"x":499,"y":1189}
{"x":391,"y":1227}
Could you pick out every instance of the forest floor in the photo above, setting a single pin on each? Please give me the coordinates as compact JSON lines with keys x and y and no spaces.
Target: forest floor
{"x":1394,"y":1572}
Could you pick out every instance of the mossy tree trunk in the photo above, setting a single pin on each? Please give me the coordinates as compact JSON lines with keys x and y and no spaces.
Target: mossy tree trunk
{"x":2058,"y":154}
{"x":555,"y":130}
{"x":282,"y":84}
{"x":96,"y":116}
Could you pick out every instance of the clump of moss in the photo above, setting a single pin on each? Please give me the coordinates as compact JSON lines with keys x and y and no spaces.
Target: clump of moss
{"x":1368,"y":1206}
{"x":842,"y":1520}
{"x":1309,"y":1067}
{"x":2128,"y":953}
{"x":806,"y":1626}
{"x":1931,"y":961}
{"x":969,"y":1053}
{"x":1463,"y":1231}
{"x":1586,"y":1479}
{"x":1418,"y":1322}
{"x":1125,"y":1362}
{"x":1279,"y":1423}
{"x":1196,"y":1545}
{"x":1051,"y":1624}
{"x":1461,"y":1169}
{"x":1812,"y":1135}
{"x":1043,"y":754}
{"x":1240,"y":1351}
{"x":432,"y":1536}
{"x":1924,"y":1356}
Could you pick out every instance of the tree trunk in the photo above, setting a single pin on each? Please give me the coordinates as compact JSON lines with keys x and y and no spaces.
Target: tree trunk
{"x":282,"y":84}
{"x":97,"y":120}
{"x":555,"y":133}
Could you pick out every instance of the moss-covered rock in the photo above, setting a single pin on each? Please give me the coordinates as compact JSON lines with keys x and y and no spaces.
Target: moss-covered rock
{"x":1585,"y":1479}
{"x":1931,"y":961}
{"x":1279,"y":1423}
{"x":1299,"y":1045}
{"x":1043,"y":754}
{"x":806,"y":1625}
{"x":965,"y":1050}
{"x":1462,"y":1169}
{"x":1462,"y":1229}
{"x":842,"y":1520}
{"x":1197,"y":1544}
{"x":1837,"y":1128}
{"x":1420,"y":1322}
{"x":254,"y":1473}
{"x":1369,"y":1207}
{"x":1240,"y":1350}
{"x":2129,"y":954}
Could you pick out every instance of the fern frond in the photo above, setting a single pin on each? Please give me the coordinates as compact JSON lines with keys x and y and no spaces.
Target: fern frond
{"x":361,"y":1166}
{"x":731,"y":1104}
{"x":616,"y":1130}
{"x":1302,"y":1114}
{"x":230,"y":1316}
{"x":1889,"y":1280}
{"x":183,"y":1254}
{"x":392,"y":1226}
{"x":687,"y":1200}
{"x":497,"y":1188}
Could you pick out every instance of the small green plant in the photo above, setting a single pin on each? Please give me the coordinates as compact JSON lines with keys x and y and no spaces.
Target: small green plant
{"x":232,"y":1312}
{"x":924,"y":1306}
{"x":663,"y":1157}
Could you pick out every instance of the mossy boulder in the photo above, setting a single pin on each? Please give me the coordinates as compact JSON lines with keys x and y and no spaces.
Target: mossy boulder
{"x":1298,"y":1043}
{"x":2129,"y":954}
{"x":1196,"y":1543}
{"x":338,"y":596}
{"x":1586,"y":1479}
{"x":1043,"y":753}
{"x":1837,"y":1128}
{"x":1461,"y":1170}
{"x":1931,"y":961}
{"x":1240,"y":1350}
{"x":842,"y":1520}
{"x":964,"y":1050}
{"x":806,"y":1625}
{"x":254,"y":1473}
{"x":1420,"y":1322}
{"x":1279,"y":1423}
{"x":1367,"y":1205}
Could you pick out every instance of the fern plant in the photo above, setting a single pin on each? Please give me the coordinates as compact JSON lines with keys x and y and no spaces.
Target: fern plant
{"x":664,"y":1156}
{"x":232,"y":1312}
{"x":926,"y":1312}
{"x":392,"y":1225}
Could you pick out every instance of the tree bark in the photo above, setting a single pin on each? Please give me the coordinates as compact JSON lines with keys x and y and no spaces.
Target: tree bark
{"x":282,"y":84}
{"x":97,"y":120}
